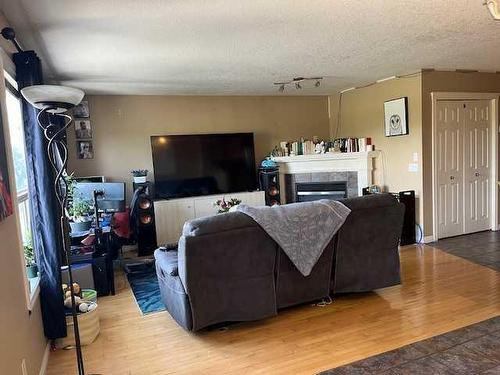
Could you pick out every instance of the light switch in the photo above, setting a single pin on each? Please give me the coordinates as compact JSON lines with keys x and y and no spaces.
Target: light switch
{"x":413,"y":167}
{"x":415,"y":157}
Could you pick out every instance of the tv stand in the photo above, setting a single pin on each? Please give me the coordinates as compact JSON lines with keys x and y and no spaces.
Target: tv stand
{"x":171,"y":214}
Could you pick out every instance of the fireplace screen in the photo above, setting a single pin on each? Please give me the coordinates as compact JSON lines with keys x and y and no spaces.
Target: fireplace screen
{"x":312,"y":191}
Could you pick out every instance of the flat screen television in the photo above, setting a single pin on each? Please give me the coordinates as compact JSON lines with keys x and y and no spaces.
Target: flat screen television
{"x":203,"y":164}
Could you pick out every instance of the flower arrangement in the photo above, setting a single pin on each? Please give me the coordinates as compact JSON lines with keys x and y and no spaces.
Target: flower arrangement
{"x":225,"y":206}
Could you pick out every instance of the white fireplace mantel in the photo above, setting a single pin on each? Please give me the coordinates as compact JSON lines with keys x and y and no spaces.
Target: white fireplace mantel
{"x":360,"y":162}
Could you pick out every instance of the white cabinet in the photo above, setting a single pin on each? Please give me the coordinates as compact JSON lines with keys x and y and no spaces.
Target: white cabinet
{"x":172,"y":214}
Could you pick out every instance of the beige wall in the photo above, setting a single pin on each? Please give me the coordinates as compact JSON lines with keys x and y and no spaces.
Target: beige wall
{"x":123,"y":125}
{"x":21,"y":333}
{"x":445,"y":82}
{"x":362,"y":115}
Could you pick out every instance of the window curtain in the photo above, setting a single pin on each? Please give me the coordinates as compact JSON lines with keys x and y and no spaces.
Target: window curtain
{"x":44,"y":209}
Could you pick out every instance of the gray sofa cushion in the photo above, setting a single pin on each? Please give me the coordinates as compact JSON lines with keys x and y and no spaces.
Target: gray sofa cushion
{"x":217,"y":223}
{"x":366,"y":252}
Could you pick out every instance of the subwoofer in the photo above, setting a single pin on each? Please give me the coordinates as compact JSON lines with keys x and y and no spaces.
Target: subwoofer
{"x":143,"y":218}
{"x":408,"y":236}
{"x":270,"y":184}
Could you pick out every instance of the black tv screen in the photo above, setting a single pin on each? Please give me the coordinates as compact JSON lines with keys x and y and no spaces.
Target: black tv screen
{"x":203,"y":164}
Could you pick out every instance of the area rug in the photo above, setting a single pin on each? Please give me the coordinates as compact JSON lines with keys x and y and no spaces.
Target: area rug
{"x":146,"y":290}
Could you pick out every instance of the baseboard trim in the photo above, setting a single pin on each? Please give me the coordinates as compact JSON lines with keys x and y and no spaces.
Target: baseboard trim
{"x":45,"y":359}
{"x":428,"y":239}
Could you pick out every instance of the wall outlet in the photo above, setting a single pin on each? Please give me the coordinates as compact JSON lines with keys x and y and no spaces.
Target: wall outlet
{"x":413,"y":167}
{"x":23,"y":367}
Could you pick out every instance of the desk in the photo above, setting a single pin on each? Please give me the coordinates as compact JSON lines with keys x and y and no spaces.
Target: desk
{"x":101,"y":255}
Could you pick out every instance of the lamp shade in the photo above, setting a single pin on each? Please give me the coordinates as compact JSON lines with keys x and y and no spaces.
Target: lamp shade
{"x":58,"y":98}
{"x":493,"y":7}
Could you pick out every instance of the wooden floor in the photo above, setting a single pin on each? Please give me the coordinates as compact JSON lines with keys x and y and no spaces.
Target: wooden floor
{"x":440,"y":292}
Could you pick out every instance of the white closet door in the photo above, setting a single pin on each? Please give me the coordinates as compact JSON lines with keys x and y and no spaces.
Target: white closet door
{"x":477,"y":154}
{"x":449,"y":168}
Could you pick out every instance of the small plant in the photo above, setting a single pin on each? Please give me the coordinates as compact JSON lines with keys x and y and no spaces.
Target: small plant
{"x":225,"y":206}
{"x":139,"y":172}
{"x":29,"y":253}
{"x":79,"y":211}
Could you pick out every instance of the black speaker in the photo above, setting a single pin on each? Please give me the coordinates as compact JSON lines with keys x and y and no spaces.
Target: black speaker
{"x":408,"y":236}
{"x":143,"y":219}
{"x":269,"y":179}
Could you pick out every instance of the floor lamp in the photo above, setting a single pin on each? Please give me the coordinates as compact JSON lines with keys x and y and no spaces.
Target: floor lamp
{"x":55,"y":101}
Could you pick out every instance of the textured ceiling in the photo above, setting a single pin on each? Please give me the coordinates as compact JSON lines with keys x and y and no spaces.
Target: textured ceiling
{"x":228,"y":47}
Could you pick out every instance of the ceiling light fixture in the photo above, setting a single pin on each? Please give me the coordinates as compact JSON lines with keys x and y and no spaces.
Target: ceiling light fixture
{"x":298,"y":83}
{"x":494,"y":8}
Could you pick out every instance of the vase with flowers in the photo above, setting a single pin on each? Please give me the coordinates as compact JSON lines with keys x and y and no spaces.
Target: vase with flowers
{"x":224,"y":205}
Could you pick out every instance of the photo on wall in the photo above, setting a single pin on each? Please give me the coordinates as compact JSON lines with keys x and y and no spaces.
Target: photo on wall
{"x":396,"y":117}
{"x":82,"y":110}
{"x":85,"y":149}
{"x":6,"y":208}
{"x":83,"y":129}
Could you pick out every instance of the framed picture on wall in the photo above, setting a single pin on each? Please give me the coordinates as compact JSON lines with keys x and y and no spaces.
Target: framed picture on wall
{"x":83,"y":129}
{"x":85,"y":149}
{"x":82,"y":110}
{"x":6,"y":208}
{"x":396,"y":117}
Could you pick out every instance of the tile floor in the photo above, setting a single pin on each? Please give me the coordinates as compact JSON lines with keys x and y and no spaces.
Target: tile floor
{"x":482,"y":248}
{"x":470,"y":350}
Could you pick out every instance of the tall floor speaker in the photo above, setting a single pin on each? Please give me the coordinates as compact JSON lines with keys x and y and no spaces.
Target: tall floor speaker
{"x":408,"y":236}
{"x":143,"y":218}
{"x":269,"y":179}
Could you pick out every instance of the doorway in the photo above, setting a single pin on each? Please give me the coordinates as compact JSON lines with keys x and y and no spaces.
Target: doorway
{"x":465,"y":134}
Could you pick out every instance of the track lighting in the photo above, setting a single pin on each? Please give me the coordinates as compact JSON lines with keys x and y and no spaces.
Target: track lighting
{"x":298,"y":83}
{"x":494,"y":8}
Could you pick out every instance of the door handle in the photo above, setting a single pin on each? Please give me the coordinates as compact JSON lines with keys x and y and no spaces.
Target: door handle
{"x":477,"y":174}
{"x":452,"y":178}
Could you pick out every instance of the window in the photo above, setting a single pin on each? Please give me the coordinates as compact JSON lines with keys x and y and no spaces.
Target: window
{"x":15,"y":117}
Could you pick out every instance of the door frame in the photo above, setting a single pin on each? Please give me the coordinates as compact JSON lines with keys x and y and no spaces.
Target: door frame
{"x":493,"y":98}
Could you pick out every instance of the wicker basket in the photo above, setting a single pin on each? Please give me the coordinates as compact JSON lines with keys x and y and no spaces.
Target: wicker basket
{"x":88,"y":324}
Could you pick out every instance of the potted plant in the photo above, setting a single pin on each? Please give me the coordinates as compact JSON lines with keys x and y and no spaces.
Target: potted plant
{"x":29,"y":256}
{"x":140,"y":175}
{"x":80,"y":216}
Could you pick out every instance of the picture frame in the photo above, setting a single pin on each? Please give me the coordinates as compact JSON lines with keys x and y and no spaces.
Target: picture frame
{"x":83,"y":129}
{"x":396,"y":117}
{"x":85,"y":150}
{"x":6,"y":204}
{"x":82,"y":110}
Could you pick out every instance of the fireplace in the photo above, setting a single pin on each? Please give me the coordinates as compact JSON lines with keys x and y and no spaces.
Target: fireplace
{"x":352,"y":170}
{"x":312,"y":191}
{"x":305,"y":187}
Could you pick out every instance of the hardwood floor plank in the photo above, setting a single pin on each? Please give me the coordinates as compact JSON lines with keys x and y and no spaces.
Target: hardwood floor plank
{"x":440,"y":293}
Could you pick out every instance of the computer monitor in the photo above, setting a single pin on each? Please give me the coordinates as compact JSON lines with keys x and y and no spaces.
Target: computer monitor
{"x":94,"y":179}
{"x":113,"y":199}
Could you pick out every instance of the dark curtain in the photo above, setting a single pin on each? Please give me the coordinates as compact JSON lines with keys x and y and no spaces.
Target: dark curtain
{"x":44,"y":206}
